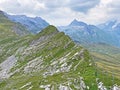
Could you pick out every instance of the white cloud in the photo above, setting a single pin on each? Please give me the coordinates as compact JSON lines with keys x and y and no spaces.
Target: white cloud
{"x":8,"y":5}
{"x":61,"y":12}
{"x":105,"y":11}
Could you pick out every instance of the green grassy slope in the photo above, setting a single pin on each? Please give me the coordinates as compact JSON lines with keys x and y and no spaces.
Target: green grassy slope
{"x":106,"y":57}
{"x":51,"y":58}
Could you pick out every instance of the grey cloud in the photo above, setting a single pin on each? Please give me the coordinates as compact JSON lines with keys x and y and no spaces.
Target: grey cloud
{"x":54,"y":3}
{"x":75,"y":5}
{"x":83,"y":5}
{"x":9,"y":5}
{"x":114,"y":7}
{"x":50,"y":5}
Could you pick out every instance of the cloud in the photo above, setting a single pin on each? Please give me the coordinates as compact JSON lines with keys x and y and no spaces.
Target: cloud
{"x":21,"y":7}
{"x":54,"y":3}
{"x":114,"y":7}
{"x":8,"y":5}
{"x":106,"y":10}
{"x":110,"y":7}
{"x":61,"y":12}
{"x":76,"y":5}
{"x":83,"y":5}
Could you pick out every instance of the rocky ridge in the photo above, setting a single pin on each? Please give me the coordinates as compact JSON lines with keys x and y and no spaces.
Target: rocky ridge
{"x":50,"y":60}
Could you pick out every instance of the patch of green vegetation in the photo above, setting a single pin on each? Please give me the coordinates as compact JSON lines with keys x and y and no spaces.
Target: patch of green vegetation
{"x":47,"y":31}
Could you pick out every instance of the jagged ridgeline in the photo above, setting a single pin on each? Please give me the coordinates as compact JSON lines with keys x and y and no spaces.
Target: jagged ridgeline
{"x":49,"y":61}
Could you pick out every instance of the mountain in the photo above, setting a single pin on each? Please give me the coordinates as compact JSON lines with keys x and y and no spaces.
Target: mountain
{"x":7,"y":26}
{"x":10,"y":32}
{"x":100,"y":42}
{"x":81,"y":32}
{"x":34,"y":25}
{"x":77,"y":23}
{"x":111,"y":26}
{"x":108,"y":26}
{"x":50,"y":60}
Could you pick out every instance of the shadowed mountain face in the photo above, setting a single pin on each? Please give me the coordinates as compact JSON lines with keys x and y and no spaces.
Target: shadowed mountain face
{"x":10,"y":28}
{"x":34,"y":25}
{"x":82,"y":33}
{"x":48,"y":60}
{"x":112,"y":27}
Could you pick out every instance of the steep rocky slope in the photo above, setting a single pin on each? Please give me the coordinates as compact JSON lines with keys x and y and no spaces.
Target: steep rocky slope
{"x":51,"y":61}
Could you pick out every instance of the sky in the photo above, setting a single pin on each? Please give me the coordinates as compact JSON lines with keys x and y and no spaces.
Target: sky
{"x":62,"y":12}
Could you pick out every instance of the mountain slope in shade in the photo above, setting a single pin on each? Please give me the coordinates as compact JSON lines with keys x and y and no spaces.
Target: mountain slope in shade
{"x":82,"y":33}
{"x":50,"y":60}
{"x":7,"y":26}
{"x":111,"y":26}
{"x":34,"y":25}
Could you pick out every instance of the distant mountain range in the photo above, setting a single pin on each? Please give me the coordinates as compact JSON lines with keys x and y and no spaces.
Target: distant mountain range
{"x":33,"y":24}
{"x":83,"y":33}
{"x":80,"y":32}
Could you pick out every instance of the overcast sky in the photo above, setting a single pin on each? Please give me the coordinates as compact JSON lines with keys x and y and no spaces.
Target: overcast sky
{"x":62,"y":12}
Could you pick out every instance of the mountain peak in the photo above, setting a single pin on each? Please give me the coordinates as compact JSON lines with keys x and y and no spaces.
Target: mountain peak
{"x":75,"y":20}
{"x":48,"y":30}
{"x":77,"y":23}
